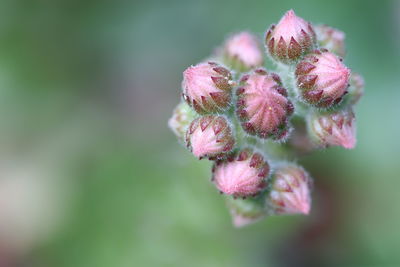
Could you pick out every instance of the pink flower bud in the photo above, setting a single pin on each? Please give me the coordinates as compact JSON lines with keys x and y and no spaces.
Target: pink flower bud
{"x":290,"y":191}
{"x":207,"y":87}
{"x":322,"y":79}
{"x":356,"y":89}
{"x":290,"y":39}
{"x":337,"y":128}
{"x":244,"y":174}
{"x":331,"y":39}
{"x":246,"y":211}
{"x":210,"y":136}
{"x":182,"y":116}
{"x":263,"y":106}
{"x":242,"y":52}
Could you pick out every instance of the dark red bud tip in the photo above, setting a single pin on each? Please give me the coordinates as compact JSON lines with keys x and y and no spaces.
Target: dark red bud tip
{"x":290,"y":108}
{"x":264,"y":171}
{"x":248,"y":127}
{"x":197,"y":107}
{"x":224,"y":72}
{"x":221,"y":98}
{"x":282,"y":91}
{"x":240,"y":102}
{"x":313,"y":96}
{"x":219,"y":125}
{"x":294,"y":50}
{"x":326,"y":102}
{"x":242,"y":114}
{"x":240,"y":91}
{"x":271,"y":46}
{"x":244,"y":78}
{"x":243,"y":156}
{"x":281,"y":49}
{"x":276,"y":78}
{"x":337,"y":101}
{"x":207,"y":104}
{"x":306,"y":81}
{"x":204,"y":122}
{"x":221,"y":82}
{"x":256,"y":160}
{"x":304,"y":68}
{"x":261,"y":71}
{"x":268,"y":36}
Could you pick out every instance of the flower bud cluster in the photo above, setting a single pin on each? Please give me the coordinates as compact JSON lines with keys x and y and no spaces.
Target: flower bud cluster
{"x":236,"y":113}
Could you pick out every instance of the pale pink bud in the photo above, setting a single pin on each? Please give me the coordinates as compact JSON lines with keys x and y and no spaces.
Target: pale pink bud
{"x":241,"y":175}
{"x":210,"y":136}
{"x":242,"y":52}
{"x":337,"y":128}
{"x":263,"y":106}
{"x":331,"y":39}
{"x":182,"y":116}
{"x":246,"y":211}
{"x":290,"y":191}
{"x":322,"y":79}
{"x":356,"y":89}
{"x":290,"y":39}
{"x":207,"y":87}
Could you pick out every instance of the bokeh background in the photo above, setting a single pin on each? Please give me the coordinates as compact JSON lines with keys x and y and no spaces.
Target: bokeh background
{"x":91,"y":176}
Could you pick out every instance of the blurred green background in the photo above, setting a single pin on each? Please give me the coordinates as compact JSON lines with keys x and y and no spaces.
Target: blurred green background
{"x":90,"y":175}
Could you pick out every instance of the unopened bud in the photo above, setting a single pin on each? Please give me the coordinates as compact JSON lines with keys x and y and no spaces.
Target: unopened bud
{"x":322,"y":79}
{"x":290,"y":39}
{"x":331,"y":39}
{"x":246,"y":211}
{"x":210,"y":136}
{"x":182,"y":116}
{"x":290,"y":191}
{"x":243,"y":52}
{"x":336,"y":128}
{"x":263,"y":106}
{"x":241,"y":175}
{"x":356,"y":89}
{"x":207,"y":87}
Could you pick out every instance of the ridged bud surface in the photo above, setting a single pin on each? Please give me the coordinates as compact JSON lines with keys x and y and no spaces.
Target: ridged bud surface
{"x":262,"y":105}
{"x":210,"y":136}
{"x":290,"y":191}
{"x":331,"y":39}
{"x":243,"y":52}
{"x":207,"y":87}
{"x":290,"y":39}
{"x":182,"y":116}
{"x":242,"y":175}
{"x":322,"y":79}
{"x":337,"y":128}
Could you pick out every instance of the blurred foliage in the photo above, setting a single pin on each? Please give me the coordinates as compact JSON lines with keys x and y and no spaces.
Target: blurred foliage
{"x":86,"y":88}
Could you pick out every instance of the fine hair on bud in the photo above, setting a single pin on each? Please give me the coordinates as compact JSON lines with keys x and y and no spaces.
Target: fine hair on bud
{"x":244,"y":174}
{"x":290,"y":39}
{"x":263,"y":106}
{"x":333,"y":128}
{"x":181,"y":118}
{"x":210,"y":136}
{"x":207,"y":87}
{"x":322,"y":79}
{"x":242,"y":52}
{"x":254,"y":123}
{"x":290,"y":190}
